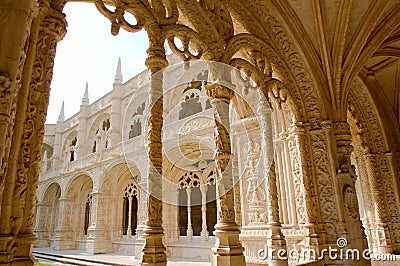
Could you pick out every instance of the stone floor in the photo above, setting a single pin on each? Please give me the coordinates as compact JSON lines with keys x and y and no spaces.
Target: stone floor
{"x":79,"y":257}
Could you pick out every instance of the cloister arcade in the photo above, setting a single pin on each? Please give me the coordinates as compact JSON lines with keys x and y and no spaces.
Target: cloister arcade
{"x":300,"y":156}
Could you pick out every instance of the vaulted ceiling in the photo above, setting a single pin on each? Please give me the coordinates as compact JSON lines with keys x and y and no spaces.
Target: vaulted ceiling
{"x":349,"y":37}
{"x":339,"y":39}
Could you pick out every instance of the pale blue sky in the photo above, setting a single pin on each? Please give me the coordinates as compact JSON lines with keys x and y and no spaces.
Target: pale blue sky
{"x":89,"y":53}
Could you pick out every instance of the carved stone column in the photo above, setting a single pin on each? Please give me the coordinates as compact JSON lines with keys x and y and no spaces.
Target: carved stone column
{"x":15,"y":22}
{"x":389,"y":173}
{"x":189,"y":231}
{"x":142,"y":212}
{"x":275,"y":238}
{"x":154,"y":250}
{"x":383,"y":242}
{"x":64,"y":238}
{"x":43,"y":211}
{"x":99,"y":235}
{"x":227,"y":249}
{"x":204,"y":233}
{"x":349,"y":218}
{"x":18,"y":206}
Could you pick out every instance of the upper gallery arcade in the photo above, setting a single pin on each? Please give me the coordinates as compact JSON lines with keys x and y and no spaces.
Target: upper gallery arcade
{"x":296,"y":150}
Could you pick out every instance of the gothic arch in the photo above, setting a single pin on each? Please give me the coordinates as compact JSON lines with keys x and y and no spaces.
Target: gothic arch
{"x":134,"y":110}
{"x":75,"y":208}
{"x":116,"y":171}
{"x":69,"y":147}
{"x":113,"y":186}
{"x":47,"y":214}
{"x":75,"y":179}
{"x":285,"y":57}
{"x":97,"y":133}
{"x":375,"y":161}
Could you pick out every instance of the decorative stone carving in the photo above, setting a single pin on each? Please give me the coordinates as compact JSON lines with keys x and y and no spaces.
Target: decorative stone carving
{"x":227,"y":231}
{"x":324,"y":183}
{"x":350,"y":202}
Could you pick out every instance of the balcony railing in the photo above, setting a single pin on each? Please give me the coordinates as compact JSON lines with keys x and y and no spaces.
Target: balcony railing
{"x":188,"y":127}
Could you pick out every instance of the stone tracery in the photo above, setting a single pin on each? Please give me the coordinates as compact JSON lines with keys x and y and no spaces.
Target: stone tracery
{"x":315,"y":155}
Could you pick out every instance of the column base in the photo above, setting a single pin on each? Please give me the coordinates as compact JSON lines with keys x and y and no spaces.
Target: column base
{"x":63,"y":243}
{"x":44,"y":240}
{"x":227,"y":250}
{"x":21,"y":253}
{"x":154,"y":251}
{"x":98,"y":241}
{"x":98,"y":246}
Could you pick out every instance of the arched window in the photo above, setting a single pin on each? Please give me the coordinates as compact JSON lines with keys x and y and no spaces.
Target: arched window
{"x":197,"y":213}
{"x":88,"y":209}
{"x":130,"y":209}
{"x":100,"y":135}
{"x":136,"y":126}
{"x":72,"y":149}
{"x":191,"y":104}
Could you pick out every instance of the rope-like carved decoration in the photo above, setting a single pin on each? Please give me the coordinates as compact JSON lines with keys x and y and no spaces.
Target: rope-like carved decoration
{"x":117,"y":18}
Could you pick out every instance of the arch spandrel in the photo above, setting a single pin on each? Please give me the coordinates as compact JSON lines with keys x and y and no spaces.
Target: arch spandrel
{"x":50,"y":190}
{"x":366,"y":121}
{"x":79,"y":182}
{"x":116,"y":176}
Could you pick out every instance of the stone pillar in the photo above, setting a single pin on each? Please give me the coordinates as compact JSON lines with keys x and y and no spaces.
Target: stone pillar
{"x":275,"y":238}
{"x":43,"y":211}
{"x":15,"y":22}
{"x":349,"y":223}
{"x":64,"y":238}
{"x":381,"y":236}
{"x":189,"y":231}
{"x":204,"y":233}
{"x":98,"y":238}
{"x":129,"y":229}
{"x":142,"y":213}
{"x":21,"y":179}
{"x":227,"y":249}
{"x":154,"y":250}
{"x":389,"y":173}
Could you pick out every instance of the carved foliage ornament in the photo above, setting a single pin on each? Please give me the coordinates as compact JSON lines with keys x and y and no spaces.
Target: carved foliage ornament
{"x":53,"y":29}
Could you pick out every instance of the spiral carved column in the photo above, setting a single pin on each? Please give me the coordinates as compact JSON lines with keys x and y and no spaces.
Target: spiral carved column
{"x":275,"y":238}
{"x":227,"y":249}
{"x":154,"y":250}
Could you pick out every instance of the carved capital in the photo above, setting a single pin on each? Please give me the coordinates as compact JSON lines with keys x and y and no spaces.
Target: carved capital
{"x":219,"y":92}
{"x":54,"y":24}
{"x":344,"y":147}
{"x":156,"y":59}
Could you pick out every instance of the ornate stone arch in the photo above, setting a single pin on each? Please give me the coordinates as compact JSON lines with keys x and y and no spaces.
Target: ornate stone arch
{"x":117,"y":171}
{"x":41,"y":197}
{"x":73,"y":179}
{"x":74,"y":207}
{"x":99,"y":132}
{"x":69,"y":147}
{"x":47,"y":213}
{"x":285,"y":57}
{"x":375,"y":163}
{"x":136,"y":110}
{"x":119,"y":182}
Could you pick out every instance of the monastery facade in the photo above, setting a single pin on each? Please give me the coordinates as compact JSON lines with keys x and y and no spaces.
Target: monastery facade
{"x":298,"y":151}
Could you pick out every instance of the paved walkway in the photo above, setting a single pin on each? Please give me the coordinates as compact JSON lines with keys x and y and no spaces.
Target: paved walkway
{"x":72,"y":257}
